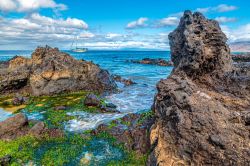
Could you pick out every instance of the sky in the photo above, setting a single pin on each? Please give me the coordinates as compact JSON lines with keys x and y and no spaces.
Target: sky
{"x":111,"y":24}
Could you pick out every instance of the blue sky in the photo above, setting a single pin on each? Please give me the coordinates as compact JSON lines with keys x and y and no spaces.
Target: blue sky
{"x":111,"y":24}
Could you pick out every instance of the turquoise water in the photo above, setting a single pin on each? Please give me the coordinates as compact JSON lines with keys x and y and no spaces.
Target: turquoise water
{"x":133,"y":98}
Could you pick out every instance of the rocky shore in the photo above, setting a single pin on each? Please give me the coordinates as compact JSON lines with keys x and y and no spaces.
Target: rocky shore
{"x":202,"y":108}
{"x":149,"y":61}
{"x":50,"y":71}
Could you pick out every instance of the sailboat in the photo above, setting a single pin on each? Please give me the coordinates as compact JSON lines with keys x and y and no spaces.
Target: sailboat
{"x":77,"y":49}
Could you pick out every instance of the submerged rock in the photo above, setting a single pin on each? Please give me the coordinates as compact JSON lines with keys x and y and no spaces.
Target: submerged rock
{"x":126,"y":82}
{"x":200,"y":107}
{"x":50,"y":71}
{"x":149,"y":61}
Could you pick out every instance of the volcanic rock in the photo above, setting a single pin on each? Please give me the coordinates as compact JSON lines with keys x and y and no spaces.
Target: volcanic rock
{"x":5,"y":161}
{"x":18,"y":126}
{"x":132,"y":130}
{"x":149,"y":61}
{"x":201,"y":108}
{"x":13,"y":124}
{"x":50,"y":71}
{"x":245,"y":57}
{"x":92,"y":100}
{"x":126,"y":82}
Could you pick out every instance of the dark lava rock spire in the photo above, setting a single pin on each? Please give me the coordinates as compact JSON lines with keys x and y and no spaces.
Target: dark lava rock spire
{"x":203,"y":108}
{"x":198,"y":46}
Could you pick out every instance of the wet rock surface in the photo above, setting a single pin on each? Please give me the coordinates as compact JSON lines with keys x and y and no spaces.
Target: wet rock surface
{"x":149,"y":61}
{"x":19,"y":125}
{"x":132,"y":130}
{"x":50,"y":71}
{"x":92,"y":100}
{"x":202,"y":107}
{"x":126,"y":82}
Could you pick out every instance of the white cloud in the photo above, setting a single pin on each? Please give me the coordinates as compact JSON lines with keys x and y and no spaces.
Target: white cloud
{"x":220,"y":8}
{"x":203,"y":10}
{"x":86,"y":35}
{"x":241,"y":33}
{"x":225,"y":19}
{"x":140,"y":23}
{"x":29,"y":5}
{"x":36,"y":30}
{"x":168,"y":21}
{"x":113,"y":35}
{"x":7,"y":5}
{"x":68,"y":23}
{"x":225,"y":8}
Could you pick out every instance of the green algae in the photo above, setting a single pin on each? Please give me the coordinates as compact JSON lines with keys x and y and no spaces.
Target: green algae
{"x":131,"y":158}
{"x":69,"y":149}
{"x":44,"y":150}
{"x":144,"y":116}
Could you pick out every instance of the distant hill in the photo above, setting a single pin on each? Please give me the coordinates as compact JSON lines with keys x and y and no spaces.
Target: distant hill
{"x":240,"y":46}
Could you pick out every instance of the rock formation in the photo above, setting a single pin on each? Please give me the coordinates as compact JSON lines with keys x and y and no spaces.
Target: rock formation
{"x":149,"y":61}
{"x":50,"y":71}
{"x":244,"y":57}
{"x":202,"y":109}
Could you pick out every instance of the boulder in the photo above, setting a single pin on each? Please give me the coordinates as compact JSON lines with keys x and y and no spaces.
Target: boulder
{"x":18,"y":100}
{"x":50,"y":71}
{"x":37,"y":129}
{"x":126,"y":82}
{"x":92,"y":100}
{"x":13,"y":124}
{"x":5,"y":161}
{"x":201,"y":107}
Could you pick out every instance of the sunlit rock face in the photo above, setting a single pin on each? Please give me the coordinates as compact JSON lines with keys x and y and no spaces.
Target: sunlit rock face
{"x":50,"y":71}
{"x":203,"y":108}
{"x":198,"y":46}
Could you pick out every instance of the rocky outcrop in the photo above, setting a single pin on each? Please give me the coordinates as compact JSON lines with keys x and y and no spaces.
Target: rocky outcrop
{"x":50,"y":71}
{"x":202,"y":107}
{"x":149,"y":61}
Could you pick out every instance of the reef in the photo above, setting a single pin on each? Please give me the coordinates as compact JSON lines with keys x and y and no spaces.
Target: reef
{"x":202,"y":108}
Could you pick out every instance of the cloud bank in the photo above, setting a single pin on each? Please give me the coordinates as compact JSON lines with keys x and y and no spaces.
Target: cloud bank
{"x":29,"y":5}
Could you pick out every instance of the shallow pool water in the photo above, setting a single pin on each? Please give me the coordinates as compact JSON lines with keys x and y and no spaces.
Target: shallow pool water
{"x":4,"y":114}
